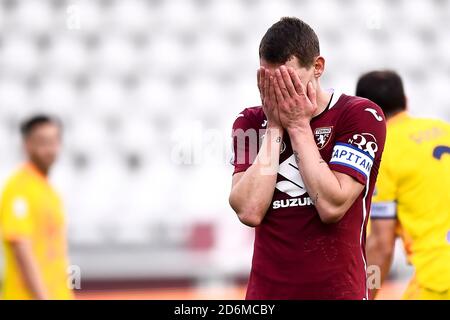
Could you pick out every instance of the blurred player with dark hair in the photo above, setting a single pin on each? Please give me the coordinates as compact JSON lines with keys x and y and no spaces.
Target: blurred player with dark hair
{"x":32,"y":220}
{"x":306,"y":183}
{"x":412,"y":196}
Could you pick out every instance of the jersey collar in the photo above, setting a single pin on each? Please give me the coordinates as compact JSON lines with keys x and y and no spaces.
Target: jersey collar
{"x":336,"y":95}
{"x":34,"y":171}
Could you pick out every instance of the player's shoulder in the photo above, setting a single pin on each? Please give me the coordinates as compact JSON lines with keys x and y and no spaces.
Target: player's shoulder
{"x":18,"y":181}
{"x":252,"y":113}
{"x":403,"y":122}
{"x":362,"y":107}
{"x":444,"y":125}
{"x":251,"y":117}
{"x":434,"y":122}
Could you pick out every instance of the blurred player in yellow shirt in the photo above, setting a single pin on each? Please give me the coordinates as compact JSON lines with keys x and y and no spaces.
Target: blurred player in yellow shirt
{"x":412,"y":197}
{"x":32,"y":223}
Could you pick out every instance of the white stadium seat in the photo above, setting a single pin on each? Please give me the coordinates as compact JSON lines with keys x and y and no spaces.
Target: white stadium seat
{"x":19,"y":56}
{"x":67,"y":56}
{"x":33,"y":17}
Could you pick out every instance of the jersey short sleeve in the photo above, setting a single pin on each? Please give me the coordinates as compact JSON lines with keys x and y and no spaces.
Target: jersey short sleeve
{"x":15,"y":216}
{"x":245,"y":140}
{"x":360,"y":138}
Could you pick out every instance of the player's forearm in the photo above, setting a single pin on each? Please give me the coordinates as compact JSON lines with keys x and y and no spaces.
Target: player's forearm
{"x":380,"y":256}
{"x":250,"y":198}
{"x":29,"y":269}
{"x":377,"y":256}
{"x":321,"y":183}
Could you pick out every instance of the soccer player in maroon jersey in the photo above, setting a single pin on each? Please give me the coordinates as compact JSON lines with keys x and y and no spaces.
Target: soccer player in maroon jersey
{"x":305,"y":164}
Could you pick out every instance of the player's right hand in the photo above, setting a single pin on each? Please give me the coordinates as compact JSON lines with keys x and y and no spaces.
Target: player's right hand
{"x":268,"y":97}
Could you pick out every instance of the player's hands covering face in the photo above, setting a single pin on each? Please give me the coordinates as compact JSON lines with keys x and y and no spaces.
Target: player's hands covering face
{"x":266,"y":85}
{"x":296,"y":104}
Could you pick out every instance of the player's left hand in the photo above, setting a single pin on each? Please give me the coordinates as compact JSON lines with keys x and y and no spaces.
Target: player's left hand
{"x":296,"y":104}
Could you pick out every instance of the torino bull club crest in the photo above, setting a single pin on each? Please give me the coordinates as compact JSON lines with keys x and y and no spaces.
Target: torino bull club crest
{"x":322,"y":136}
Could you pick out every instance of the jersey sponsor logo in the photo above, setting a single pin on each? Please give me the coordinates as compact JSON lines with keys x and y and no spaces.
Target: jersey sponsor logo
{"x":366,"y":142}
{"x":294,"y":202}
{"x":352,"y":157}
{"x":322,"y":136}
{"x":374,"y":113}
{"x":293,"y":185}
{"x":383,"y":210}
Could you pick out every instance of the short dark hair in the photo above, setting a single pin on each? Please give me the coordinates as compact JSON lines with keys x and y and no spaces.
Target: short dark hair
{"x":290,"y":37}
{"x":28,"y":125}
{"x":385,"y":88}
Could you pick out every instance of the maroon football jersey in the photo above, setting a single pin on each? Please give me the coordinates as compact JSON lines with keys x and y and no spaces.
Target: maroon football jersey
{"x":296,"y":255}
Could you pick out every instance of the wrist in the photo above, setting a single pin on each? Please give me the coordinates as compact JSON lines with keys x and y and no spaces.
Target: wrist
{"x":300,"y":127}
{"x":274,"y":132}
{"x":273,"y":125}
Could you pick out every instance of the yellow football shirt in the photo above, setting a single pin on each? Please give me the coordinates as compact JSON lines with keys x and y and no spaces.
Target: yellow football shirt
{"x":30,"y":208}
{"x":414,"y":187}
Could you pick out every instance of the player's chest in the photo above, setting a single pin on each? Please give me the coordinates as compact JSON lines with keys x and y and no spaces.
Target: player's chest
{"x":290,"y":182}
{"x":48,"y":212}
{"x":324,"y":136}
